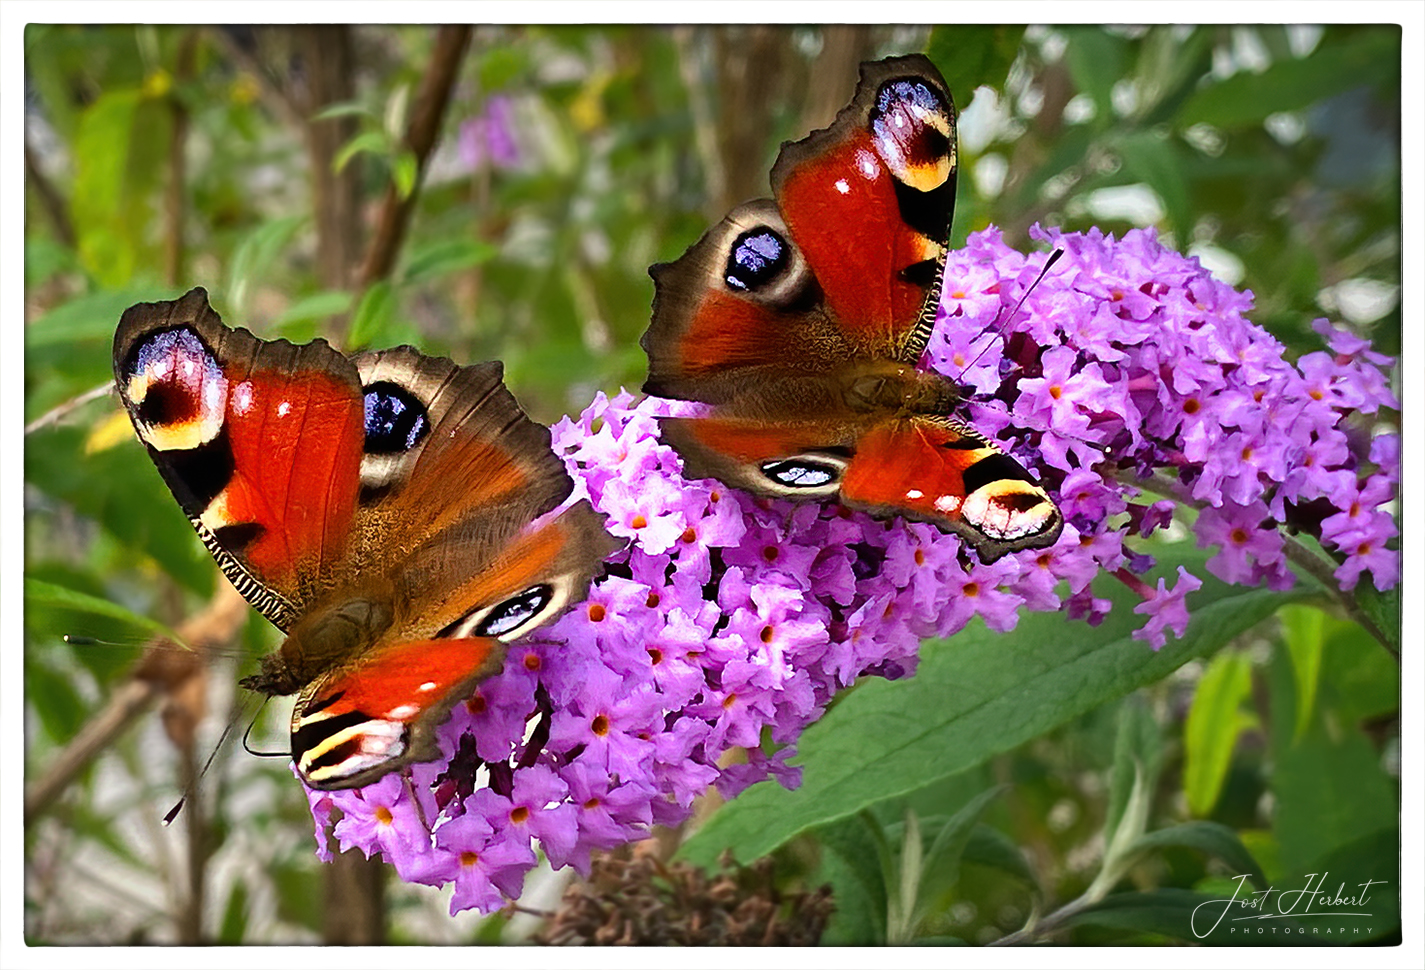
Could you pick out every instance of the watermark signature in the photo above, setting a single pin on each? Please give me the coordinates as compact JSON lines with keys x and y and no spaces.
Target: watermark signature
{"x":1306,"y":910}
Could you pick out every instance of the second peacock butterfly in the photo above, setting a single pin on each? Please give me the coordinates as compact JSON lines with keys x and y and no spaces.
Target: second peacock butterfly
{"x":397,"y":516}
{"x":801,"y":322}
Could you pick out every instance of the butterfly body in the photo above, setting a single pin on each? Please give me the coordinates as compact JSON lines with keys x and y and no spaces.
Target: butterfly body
{"x":801,"y":322}
{"x":397,"y":516}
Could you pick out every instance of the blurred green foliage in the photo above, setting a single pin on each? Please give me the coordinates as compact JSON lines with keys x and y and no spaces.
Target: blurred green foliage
{"x":1015,"y":772}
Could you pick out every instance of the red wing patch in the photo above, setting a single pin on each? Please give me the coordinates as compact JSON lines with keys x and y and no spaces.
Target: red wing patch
{"x":869,"y":201}
{"x":751,"y":441}
{"x":954,"y":479}
{"x":842,"y":212}
{"x":356,"y":724}
{"x":296,"y":443}
{"x":730,"y":331}
{"x":260,"y":441}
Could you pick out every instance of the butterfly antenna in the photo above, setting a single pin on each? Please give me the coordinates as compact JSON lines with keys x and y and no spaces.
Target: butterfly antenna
{"x":1048,"y":263}
{"x":248,"y":733}
{"x":80,"y":640}
{"x":188,"y":788}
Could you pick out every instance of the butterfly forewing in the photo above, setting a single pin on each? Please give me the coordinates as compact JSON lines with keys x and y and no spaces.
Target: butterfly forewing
{"x":258,"y":440}
{"x":869,"y":201}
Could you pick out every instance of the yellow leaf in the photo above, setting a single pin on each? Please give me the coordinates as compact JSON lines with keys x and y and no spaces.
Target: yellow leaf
{"x":113,"y":430}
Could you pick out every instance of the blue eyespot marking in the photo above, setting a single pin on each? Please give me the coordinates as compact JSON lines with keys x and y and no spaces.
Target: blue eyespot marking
{"x":395,"y":420}
{"x":908,"y":92}
{"x":515,"y":612}
{"x":758,"y":256}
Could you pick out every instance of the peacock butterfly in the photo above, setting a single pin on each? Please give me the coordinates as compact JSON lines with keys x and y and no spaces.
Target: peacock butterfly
{"x":397,"y":516}
{"x":801,"y":323}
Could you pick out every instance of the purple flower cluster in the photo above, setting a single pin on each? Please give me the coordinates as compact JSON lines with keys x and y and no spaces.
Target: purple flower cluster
{"x":489,"y":137}
{"x":728,"y":616}
{"x":1129,"y":357}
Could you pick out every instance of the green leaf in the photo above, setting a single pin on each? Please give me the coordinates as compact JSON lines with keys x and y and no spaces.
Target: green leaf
{"x":1303,"y":630}
{"x":1150,"y":157}
{"x":44,"y":258}
{"x":1211,"y":837}
{"x":970,"y":55}
{"x":327,"y":303}
{"x":101,"y":165}
{"x":1168,"y":68}
{"x":445,"y":256}
{"x":1359,"y":681}
{"x":375,"y":142}
{"x":945,"y":852}
{"x":55,"y":701}
{"x":974,"y":696}
{"x":344,"y":109}
{"x":988,"y":846}
{"x":93,"y":317}
{"x":1343,"y":873}
{"x":234,"y":924}
{"x":939,"y":866}
{"x":1118,"y":854}
{"x":1384,"y":610}
{"x":255,"y":256}
{"x":498,"y":66}
{"x":901,"y":912}
{"x":1364,"y":56}
{"x":1183,"y":914}
{"x":859,"y":878}
{"x":403,"y":173}
{"x":120,"y":489}
{"x":1096,"y":60}
{"x":299,"y":892}
{"x":373,"y":314}
{"x":1329,"y":785}
{"x":47,"y":595}
{"x":1213,"y":724}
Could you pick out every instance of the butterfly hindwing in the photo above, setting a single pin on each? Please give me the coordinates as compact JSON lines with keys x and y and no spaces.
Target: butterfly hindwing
{"x":379,"y":710}
{"x":945,"y":473}
{"x":355,"y":724}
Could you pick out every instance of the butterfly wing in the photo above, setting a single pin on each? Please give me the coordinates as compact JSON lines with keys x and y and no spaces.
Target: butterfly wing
{"x":869,"y":202}
{"x":461,"y":505}
{"x":260,"y":442}
{"x":941,"y":471}
{"x":379,"y":711}
{"x":845,"y":264}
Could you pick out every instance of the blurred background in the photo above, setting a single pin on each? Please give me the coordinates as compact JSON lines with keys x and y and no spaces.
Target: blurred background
{"x":499,"y":192}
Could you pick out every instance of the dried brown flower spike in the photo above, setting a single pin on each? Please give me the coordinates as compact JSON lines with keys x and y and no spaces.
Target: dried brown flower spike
{"x":633,"y":898}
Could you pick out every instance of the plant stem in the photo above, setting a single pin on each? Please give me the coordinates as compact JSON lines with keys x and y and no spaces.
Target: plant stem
{"x":431,"y":100}
{"x":1038,"y":929}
